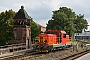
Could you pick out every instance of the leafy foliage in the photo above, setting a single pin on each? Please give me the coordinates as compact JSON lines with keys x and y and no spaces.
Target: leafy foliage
{"x":80,"y":23}
{"x":6,"y":26}
{"x":66,"y":19}
{"x":34,"y":30}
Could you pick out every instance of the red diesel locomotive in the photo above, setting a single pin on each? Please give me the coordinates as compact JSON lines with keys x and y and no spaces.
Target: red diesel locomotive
{"x":52,"y":40}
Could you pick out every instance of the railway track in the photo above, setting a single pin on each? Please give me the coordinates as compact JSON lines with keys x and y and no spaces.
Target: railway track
{"x":20,"y":55}
{"x":76,"y":55}
{"x":14,"y":55}
{"x":59,"y":55}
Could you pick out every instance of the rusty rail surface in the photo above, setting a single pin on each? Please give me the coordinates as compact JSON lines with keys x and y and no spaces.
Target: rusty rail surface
{"x":14,"y":55}
{"x":21,"y":57}
{"x":76,"y":55}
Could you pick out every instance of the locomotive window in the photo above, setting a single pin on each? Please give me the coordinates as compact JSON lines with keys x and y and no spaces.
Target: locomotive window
{"x":41,"y":38}
{"x":64,"y":36}
{"x":59,"y":35}
{"x":50,"y":32}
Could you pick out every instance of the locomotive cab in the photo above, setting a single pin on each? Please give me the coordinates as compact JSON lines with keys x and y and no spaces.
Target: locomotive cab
{"x":45,"y":42}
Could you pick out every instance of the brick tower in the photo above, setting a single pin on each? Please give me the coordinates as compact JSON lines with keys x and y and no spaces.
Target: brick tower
{"x":22,"y":31}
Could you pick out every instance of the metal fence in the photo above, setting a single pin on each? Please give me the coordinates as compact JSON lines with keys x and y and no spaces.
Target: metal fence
{"x":10,"y":48}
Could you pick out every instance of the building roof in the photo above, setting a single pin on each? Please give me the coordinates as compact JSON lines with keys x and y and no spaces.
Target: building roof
{"x":22,"y":14}
{"x":40,"y":26}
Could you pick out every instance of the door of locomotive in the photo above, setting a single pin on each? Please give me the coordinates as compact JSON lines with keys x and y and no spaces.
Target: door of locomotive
{"x":41,"y":40}
{"x":59,"y":37}
{"x":64,"y":39}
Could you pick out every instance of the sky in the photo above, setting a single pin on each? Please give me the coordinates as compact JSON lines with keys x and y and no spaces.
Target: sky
{"x":41,"y":10}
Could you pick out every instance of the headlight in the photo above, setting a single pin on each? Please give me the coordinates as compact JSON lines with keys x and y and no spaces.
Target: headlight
{"x":45,"y":41}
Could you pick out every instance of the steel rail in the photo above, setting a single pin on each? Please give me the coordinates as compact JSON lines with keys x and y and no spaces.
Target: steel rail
{"x":76,"y":55}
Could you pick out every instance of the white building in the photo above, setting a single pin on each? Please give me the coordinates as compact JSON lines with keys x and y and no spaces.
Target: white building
{"x":85,"y":35}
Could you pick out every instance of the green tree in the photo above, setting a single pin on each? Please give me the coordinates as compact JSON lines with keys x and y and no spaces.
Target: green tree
{"x":62,"y":19}
{"x":6,"y":26}
{"x":80,"y":23}
{"x":66,"y":19}
{"x":34,"y":30}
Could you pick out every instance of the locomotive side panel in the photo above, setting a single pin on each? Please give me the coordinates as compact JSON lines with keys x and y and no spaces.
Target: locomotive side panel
{"x":49,"y":38}
{"x":52,"y":39}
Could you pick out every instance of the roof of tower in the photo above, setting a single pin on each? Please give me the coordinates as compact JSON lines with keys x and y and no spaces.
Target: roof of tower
{"x":22,"y":14}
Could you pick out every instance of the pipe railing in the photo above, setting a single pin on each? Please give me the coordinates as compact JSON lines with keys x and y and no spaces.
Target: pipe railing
{"x":6,"y":48}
